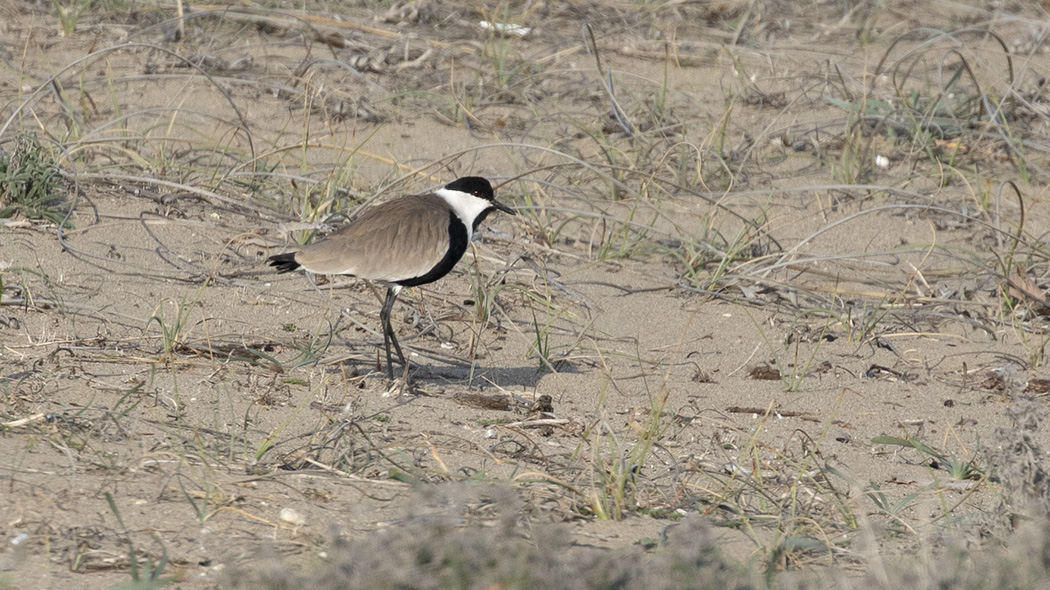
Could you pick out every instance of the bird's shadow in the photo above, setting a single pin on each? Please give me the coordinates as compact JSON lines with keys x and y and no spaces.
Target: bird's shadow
{"x":458,"y":372}
{"x":427,"y":366}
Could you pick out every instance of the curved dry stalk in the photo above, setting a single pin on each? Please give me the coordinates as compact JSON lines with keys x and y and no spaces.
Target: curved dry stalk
{"x":52,"y":80}
{"x":606,"y":79}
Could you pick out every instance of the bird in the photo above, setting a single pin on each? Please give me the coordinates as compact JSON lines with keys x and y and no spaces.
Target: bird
{"x":408,"y":241}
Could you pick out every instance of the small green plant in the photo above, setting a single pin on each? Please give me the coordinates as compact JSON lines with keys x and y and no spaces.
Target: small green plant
{"x":793,"y":379}
{"x":793,"y":373}
{"x":309,"y":350}
{"x":864,"y":17}
{"x":69,"y":14}
{"x":1018,"y":291}
{"x":70,"y":11}
{"x":541,"y":345}
{"x":855,"y":164}
{"x":153,"y":572}
{"x":546,"y":314}
{"x":202,"y":509}
{"x":173,"y":329}
{"x":505,"y":63}
{"x":271,"y":439}
{"x":893,"y":510}
{"x":619,"y":465}
{"x":958,"y":467}
{"x":30,"y":182}
{"x":624,"y":237}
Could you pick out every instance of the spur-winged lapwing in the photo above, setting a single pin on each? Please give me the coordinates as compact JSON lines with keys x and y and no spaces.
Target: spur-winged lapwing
{"x":412,"y":240}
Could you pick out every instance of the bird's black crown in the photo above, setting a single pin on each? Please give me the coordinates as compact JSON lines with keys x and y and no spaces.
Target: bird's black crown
{"x":472,"y":185}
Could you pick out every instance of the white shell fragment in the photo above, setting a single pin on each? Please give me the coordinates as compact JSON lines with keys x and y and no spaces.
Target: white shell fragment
{"x":505,"y":28}
{"x":291,"y":516}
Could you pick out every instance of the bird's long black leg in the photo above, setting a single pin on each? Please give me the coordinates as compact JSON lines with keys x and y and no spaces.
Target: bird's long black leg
{"x":388,"y":331}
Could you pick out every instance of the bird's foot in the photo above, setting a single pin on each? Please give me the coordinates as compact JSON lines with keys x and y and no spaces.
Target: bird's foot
{"x":399,"y":387}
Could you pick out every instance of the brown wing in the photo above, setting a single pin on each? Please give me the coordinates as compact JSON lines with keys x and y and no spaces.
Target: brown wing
{"x":394,"y":241}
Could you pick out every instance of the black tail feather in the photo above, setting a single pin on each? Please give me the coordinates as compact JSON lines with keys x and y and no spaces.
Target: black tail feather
{"x":283,"y":262}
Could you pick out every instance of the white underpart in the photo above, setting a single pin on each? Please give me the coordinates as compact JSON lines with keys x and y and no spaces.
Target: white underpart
{"x":466,"y":206}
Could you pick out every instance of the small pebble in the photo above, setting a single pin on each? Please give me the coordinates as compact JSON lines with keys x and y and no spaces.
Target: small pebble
{"x":291,"y":516}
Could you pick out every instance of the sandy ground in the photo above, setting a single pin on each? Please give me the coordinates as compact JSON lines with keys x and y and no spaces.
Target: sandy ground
{"x":739,"y":276}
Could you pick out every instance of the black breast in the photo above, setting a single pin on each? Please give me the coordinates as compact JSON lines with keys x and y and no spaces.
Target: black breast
{"x":457,"y":245}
